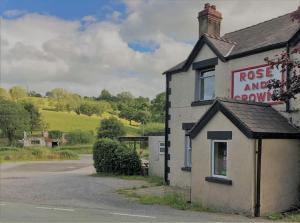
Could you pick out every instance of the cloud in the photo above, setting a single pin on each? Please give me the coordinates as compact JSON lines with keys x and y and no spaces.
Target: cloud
{"x":14,"y":13}
{"x":86,"y":55}
{"x":43,"y":52}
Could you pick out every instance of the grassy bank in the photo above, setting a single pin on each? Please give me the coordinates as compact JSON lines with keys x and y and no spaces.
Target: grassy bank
{"x":78,"y":149}
{"x":12,"y":154}
{"x":286,"y":217}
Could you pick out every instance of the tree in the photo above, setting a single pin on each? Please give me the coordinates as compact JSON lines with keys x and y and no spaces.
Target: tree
{"x":106,"y":96}
{"x":111,"y":128}
{"x":158,"y":108}
{"x":128,"y":112}
{"x":17,"y":92}
{"x":35,"y":117}
{"x":34,"y":94}
{"x":287,"y":62}
{"x":14,"y":120}
{"x":4,"y":94}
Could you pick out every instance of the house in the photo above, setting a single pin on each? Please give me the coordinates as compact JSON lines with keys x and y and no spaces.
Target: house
{"x":226,"y":140}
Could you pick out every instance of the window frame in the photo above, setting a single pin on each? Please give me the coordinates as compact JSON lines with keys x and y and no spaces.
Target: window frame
{"x":213,"y":159}
{"x":159,"y":147}
{"x":199,"y":96}
{"x":187,"y":150}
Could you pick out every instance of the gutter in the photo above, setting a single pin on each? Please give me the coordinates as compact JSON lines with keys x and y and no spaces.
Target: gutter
{"x":258,"y":178}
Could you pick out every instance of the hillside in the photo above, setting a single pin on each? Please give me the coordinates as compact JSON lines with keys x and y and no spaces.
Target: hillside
{"x":69,"y":121}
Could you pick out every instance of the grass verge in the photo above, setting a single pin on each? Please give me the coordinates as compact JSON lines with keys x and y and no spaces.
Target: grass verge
{"x":13,"y":154}
{"x":151,"y":180}
{"x":290,"y":217}
{"x":79,"y":149}
{"x":174,"y":200}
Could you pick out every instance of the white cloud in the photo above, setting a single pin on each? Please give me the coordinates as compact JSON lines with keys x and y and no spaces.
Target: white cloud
{"x":14,"y":13}
{"x":43,"y":52}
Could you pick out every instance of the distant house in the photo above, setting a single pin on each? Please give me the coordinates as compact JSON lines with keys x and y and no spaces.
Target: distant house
{"x":42,"y":140}
{"x":226,"y":140}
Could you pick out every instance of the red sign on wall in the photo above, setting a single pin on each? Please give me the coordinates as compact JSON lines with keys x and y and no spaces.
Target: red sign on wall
{"x":250,"y":84}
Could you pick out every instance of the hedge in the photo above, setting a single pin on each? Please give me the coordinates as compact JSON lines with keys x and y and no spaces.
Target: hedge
{"x":111,"y":156}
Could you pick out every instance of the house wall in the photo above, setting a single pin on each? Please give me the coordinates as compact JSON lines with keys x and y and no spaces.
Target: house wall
{"x":183,"y":93}
{"x":238,"y":197}
{"x":280,"y":174}
{"x":156,"y":159}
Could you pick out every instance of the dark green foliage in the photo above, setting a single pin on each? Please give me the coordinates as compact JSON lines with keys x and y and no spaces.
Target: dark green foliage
{"x":35,"y":117}
{"x":110,"y":156}
{"x":111,"y":128}
{"x":55,"y":134}
{"x":80,"y":137}
{"x":158,"y":108}
{"x":14,"y":120}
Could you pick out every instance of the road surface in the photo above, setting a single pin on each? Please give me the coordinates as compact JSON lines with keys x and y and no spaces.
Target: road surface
{"x":64,"y":191}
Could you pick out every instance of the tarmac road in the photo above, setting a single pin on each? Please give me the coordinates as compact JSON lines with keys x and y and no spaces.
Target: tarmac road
{"x":64,"y":191}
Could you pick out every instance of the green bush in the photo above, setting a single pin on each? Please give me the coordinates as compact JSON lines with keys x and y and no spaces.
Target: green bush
{"x":55,"y":134}
{"x":110,"y":156}
{"x":110,"y":128}
{"x":80,"y":137}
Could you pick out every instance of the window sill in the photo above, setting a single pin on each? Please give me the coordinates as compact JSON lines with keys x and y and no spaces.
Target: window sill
{"x":218,"y":180}
{"x":187,"y":169}
{"x":203,"y":102}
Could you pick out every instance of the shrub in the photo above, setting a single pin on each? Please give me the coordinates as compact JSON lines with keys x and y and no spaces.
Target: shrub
{"x":110,"y":128}
{"x":80,"y":137}
{"x":55,"y":134}
{"x":110,"y":156}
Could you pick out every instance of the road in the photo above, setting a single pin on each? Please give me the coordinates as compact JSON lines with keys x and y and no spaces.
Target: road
{"x":64,"y":191}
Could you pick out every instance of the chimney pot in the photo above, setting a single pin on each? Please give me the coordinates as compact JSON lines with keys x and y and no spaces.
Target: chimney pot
{"x":209,"y":20}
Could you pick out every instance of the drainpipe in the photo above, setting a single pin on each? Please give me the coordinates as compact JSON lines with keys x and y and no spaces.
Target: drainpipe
{"x":288,"y":70}
{"x":166,"y":129}
{"x":258,"y":178}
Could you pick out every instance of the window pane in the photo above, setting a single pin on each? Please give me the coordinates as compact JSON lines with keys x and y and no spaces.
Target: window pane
{"x":206,"y":82}
{"x":188,"y":152}
{"x":220,"y":158}
{"x":209,"y":88}
{"x":162,"y":147}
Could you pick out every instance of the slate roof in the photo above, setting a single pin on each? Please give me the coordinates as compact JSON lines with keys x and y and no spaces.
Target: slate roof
{"x":271,"y":34}
{"x":255,"y":120}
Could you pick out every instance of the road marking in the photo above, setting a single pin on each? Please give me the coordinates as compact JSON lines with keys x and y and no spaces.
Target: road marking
{"x":56,"y":209}
{"x":132,"y":215}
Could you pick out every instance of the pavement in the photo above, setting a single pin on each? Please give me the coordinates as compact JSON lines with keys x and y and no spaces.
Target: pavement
{"x":65,"y":191}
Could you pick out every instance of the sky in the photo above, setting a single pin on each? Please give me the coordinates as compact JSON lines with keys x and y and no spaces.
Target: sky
{"x":86,"y":46}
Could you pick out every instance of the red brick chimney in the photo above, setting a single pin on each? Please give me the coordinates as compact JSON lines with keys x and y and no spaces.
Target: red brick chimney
{"x":209,"y":20}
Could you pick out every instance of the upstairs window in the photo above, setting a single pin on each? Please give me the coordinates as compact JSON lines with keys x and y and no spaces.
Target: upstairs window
{"x":205,"y":85}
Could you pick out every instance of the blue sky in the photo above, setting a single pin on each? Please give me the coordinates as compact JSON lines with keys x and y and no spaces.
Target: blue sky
{"x":66,"y":9}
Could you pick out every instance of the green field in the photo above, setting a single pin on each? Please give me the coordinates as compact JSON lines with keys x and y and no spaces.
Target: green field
{"x":70,"y":121}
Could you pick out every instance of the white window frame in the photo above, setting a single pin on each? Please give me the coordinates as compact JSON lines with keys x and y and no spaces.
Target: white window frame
{"x":187,"y":151}
{"x":160,"y":146}
{"x":199,"y":79}
{"x":213,"y":159}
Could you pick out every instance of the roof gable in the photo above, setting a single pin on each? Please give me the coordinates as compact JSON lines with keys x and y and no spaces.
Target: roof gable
{"x":254,"y":120}
{"x":268,"y":35}
{"x":211,"y":43}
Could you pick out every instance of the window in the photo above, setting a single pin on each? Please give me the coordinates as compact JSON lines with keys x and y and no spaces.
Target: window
{"x":219,"y":158}
{"x":187,"y":151}
{"x":161,"y":148}
{"x":205,"y":85}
